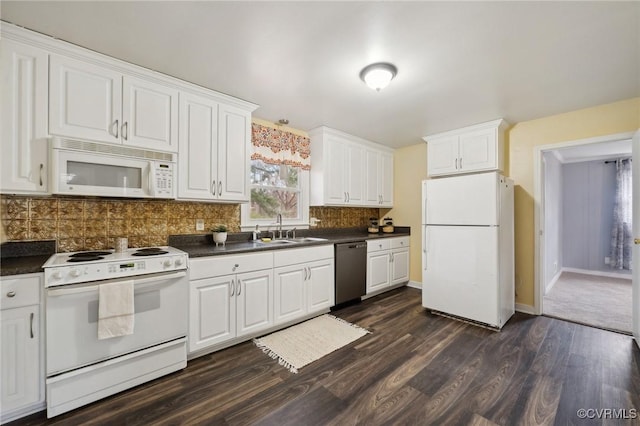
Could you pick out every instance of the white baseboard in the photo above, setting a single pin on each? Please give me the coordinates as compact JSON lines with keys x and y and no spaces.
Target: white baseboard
{"x":553,"y":282}
{"x":415,"y":284}
{"x":598,"y":273}
{"x":525,"y":309}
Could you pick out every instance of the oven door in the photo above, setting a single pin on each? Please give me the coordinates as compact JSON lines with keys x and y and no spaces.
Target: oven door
{"x":161,"y":310}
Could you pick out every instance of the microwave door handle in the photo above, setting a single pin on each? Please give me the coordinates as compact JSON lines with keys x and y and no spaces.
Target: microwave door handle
{"x":138,"y":283}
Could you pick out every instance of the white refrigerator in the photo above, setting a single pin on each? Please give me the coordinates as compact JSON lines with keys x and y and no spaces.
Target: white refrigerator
{"x":467,"y":247}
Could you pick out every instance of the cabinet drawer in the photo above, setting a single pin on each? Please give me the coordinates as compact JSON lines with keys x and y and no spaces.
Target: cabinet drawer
{"x":213,"y":266}
{"x":399,"y":242}
{"x":379,"y":244}
{"x":17,"y":291}
{"x":302,"y":255}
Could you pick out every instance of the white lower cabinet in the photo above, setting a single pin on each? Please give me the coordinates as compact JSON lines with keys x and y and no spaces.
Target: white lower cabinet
{"x":236,"y":297}
{"x":22,"y":348}
{"x":387,"y":263}
{"x":304,"y":282}
{"x":230,"y":296}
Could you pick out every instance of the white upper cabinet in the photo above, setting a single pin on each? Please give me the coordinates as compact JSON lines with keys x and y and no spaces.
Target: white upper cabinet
{"x":349,"y":171}
{"x":214,"y":145}
{"x":198,"y":142}
{"x":93,"y":102}
{"x":24,"y":86}
{"x":149,"y":115}
{"x":234,"y":143}
{"x":471,"y":149}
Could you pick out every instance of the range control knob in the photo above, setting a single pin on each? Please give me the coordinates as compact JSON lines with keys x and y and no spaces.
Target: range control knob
{"x":179,"y":261}
{"x":74,"y":273}
{"x":167,"y":263}
{"x":56,"y":275}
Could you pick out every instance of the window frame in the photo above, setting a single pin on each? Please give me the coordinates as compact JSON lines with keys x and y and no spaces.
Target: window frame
{"x":249,"y":224}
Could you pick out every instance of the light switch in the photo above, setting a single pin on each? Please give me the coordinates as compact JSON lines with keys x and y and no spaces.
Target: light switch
{"x":199,"y":224}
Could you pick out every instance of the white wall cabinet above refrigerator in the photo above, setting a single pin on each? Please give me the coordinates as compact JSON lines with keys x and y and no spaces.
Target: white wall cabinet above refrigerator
{"x":470,"y":149}
{"x":349,"y":171}
{"x":89,"y":101}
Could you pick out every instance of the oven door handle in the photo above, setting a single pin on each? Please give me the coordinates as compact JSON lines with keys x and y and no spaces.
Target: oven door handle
{"x":137,"y":283}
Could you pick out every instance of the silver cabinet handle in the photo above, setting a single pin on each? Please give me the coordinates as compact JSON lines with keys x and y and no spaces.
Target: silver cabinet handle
{"x":309,"y":272}
{"x":235,"y":267}
{"x":345,"y":197}
{"x":461,"y":162}
{"x":456,"y":164}
{"x":348,"y":197}
{"x":31,"y":323}
{"x":213,"y":187}
{"x":41,"y":168}
{"x":116,"y":125}
{"x":11,"y":294}
{"x":239,"y":287}
{"x":220,"y":189}
{"x":233,"y":288}
{"x":125,"y":130}
{"x":305,"y":274}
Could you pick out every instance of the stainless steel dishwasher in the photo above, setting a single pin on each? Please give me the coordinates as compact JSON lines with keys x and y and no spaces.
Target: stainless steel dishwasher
{"x":351,"y":271}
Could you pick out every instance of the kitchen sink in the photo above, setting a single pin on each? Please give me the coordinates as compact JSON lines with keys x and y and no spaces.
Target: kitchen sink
{"x":308,"y":239}
{"x":278,"y":242}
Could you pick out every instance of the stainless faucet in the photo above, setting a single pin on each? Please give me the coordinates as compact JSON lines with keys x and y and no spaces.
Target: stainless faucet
{"x":279,"y":223}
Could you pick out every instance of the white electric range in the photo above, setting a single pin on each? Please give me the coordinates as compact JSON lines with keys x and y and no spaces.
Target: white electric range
{"x":82,"y":368}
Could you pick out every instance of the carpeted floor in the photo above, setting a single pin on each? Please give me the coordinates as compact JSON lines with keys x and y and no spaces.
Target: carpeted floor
{"x":592,"y":300}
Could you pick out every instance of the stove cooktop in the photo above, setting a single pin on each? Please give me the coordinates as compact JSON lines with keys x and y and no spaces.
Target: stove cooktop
{"x":88,"y":266}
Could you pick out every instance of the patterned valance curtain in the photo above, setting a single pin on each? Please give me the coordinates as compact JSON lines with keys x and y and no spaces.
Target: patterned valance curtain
{"x":275,"y":146}
{"x":621,"y":235}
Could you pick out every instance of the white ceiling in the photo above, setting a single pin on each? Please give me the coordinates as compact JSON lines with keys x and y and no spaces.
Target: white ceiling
{"x":459,"y":63}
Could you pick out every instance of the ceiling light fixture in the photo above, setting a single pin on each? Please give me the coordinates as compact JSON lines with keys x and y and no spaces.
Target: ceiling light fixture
{"x":378,"y":75}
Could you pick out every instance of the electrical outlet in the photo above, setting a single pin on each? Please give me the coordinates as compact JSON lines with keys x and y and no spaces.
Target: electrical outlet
{"x":199,"y":224}
{"x":607,"y":260}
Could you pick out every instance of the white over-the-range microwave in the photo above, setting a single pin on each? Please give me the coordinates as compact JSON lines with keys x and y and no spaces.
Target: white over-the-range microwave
{"x":98,"y":169}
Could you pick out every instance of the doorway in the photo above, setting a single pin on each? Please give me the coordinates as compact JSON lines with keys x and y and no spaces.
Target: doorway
{"x":577,"y":278}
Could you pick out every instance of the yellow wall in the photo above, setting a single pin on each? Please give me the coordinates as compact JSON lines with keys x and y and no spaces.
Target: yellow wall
{"x":410,"y":168}
{"x":602,"y":120}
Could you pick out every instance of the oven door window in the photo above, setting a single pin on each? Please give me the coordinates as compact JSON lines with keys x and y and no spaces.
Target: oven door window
{"x":105,"y":175}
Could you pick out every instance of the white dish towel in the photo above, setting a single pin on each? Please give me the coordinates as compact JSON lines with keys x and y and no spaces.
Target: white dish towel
{"x":115,"y":310}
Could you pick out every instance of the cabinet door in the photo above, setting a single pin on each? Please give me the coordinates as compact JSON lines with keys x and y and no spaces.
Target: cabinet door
{"x":233,"y":153}
{"x":289,"y":293}
{"x":149,"y":115}
{"x":372,"y":179}
{"x":24,"y":118}
{"x":320,"y":285}
{"x":198,"y":141}
{"x":442,"y":156}
{"x":254,"y":301}
{"x":212,"y":311}
{"x":356,"y":171}
{"x":20,"y":360}
{"x":399,"y":266}
{"x":385,"y":183}
{"x":378,"y":264}
{"x":85,"y":100}
{"x":335,"y":171}
{"x":478,"y":151}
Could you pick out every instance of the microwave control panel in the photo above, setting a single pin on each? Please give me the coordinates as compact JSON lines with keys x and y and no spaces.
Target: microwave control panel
{"x":164,"y":180}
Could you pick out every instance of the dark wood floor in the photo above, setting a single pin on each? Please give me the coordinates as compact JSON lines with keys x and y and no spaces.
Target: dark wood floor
{"x":415,"y":368}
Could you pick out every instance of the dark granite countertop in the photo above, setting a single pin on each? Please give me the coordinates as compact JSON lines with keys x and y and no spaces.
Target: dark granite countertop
{"x":201,"y":245}
{"x":25,"y":257}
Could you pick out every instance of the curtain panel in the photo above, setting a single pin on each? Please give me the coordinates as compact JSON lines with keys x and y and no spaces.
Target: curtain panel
{"x":275,"y":146}
{"x":621,"y":235}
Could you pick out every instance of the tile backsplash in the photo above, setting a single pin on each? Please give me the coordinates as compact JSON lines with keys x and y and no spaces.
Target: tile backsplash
{"x":94,"y":223}
{"x":91,"y":223}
